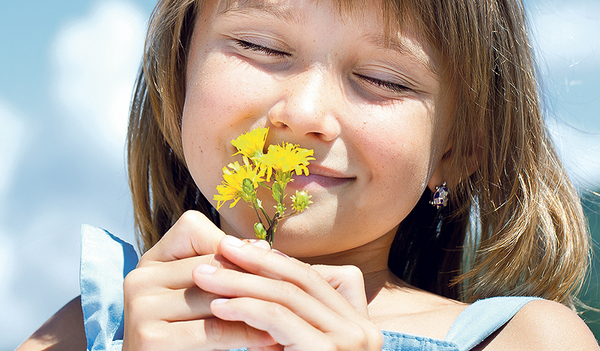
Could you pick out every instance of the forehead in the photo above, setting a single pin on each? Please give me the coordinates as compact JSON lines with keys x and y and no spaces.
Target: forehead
{"x":395,"y":22}
{"x":393,"y":15}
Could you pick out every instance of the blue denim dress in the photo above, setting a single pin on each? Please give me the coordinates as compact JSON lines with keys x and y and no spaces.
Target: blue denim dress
{"x":106,"y":260}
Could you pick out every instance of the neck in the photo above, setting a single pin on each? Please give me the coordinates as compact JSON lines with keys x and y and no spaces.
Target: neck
{"x":371,"y":259}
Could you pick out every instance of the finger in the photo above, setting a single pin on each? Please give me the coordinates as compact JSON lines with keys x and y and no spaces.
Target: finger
{"x":266,"y":348}
{"x":221,"y":334}
{"x":182,"y":305}
{"x":293,"y":332}
{"x":270,"y":264}
{"x":155,"y":303}
{"x":170,"y":290}
{"x":349,"y":282}
{"x":207,"y":334}
{"x":174,"y":274}
{"x":192,"y":235}
{"x":171,"y":305}
{"x":286,"y":328}
{"x":237,"y":284}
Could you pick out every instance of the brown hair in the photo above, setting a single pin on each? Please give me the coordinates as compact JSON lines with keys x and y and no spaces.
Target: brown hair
{"x":513,"y":227}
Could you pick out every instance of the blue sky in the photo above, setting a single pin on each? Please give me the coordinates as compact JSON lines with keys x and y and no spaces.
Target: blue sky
{"x":66,"y":74}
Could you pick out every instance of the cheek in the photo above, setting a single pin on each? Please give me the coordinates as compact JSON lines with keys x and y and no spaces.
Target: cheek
{"x":203,"y":121}
{"x":399,"y":151}
{"x":399,"y":144}
{"x":219,"y":106}
{"x":200,"y":150}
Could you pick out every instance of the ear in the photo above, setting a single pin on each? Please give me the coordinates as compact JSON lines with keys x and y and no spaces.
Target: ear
{"x":448,"y":169}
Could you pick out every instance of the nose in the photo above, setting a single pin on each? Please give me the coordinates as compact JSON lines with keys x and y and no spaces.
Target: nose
{"x":310,"y":104}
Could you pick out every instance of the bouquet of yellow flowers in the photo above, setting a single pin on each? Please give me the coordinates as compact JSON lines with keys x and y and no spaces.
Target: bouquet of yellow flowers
{"x":258,"y":169}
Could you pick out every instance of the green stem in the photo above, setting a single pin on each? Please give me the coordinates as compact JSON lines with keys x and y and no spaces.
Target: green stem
{"x":257,"y":214}
{"x":272,"y":229}
{"x":269,"y":221}
{"x":287,"y":215}
{"x":257,"y":206}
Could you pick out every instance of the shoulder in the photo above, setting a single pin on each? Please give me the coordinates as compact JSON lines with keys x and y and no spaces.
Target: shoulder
{"x":544,"y":325}
{"x":63,"y":331}
{"x":413,"y":311}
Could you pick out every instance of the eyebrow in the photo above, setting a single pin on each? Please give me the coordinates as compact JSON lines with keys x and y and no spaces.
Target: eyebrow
{"x":400,"y":46}
{"x":253,"y":6}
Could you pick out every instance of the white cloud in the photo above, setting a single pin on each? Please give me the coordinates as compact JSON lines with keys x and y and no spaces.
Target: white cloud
{"x":96,"y":60}
{"x":567,"y":33}
{"x":567,"y":38}
{"x":11,"y":144}
{"x":580,"y":153}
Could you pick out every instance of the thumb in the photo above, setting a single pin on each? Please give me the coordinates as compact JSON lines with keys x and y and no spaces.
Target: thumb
{"x":192,"y":235}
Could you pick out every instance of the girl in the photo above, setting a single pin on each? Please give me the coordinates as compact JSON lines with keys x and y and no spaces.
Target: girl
{"x":398,"y":100}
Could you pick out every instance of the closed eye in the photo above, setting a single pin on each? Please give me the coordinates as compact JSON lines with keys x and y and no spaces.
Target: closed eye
{"x":394,"y":87}
{"x":246,"y":45}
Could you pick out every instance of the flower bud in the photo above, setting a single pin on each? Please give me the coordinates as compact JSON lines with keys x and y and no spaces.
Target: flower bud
{"x":300,"y":201}
{"x":259,"y":231}
{"x":278,"y":191}
{"x":248,"y":191}
{"x":280,"y":208}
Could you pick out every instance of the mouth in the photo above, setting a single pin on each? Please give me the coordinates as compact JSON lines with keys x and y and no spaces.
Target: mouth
{"x":320,"y":177}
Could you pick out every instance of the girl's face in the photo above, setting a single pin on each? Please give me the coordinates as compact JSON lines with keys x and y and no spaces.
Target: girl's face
{"x":375,"y":113}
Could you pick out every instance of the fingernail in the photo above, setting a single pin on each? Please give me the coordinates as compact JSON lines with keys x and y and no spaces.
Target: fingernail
{"x":279,"y":252}
{"x":233,"y":241}
{"x":206,"y":269}
{"x":219,"y":301}
{"x":262,"y":244}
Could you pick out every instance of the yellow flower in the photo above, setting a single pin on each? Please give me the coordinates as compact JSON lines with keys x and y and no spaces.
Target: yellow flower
{"x":286,"y":158}
{"x":252,"y":143}
{"x":239,"y":182}
{"x":300,"y":201}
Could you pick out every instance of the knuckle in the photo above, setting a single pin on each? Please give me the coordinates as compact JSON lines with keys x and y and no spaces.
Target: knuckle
{"x":308,"y":279}
{"x":144,"y":261}
{"x":328,"y":345}
{"x":375,"y":337}
{"x":353,"y":273}
{"x":352,"y":270}
{"x":312,"y":275}
{"x":215,"y":330}
{"x":362,"y":337}
{"x":137,"y":306}
{"x":189,"y":218}
{"x":134,"y":282}
{"x":359,"y":337}
{"x":276,"y":312}
{"x":146,"y":336}
{"x":141,"y":276}
{"x":287,"y":289}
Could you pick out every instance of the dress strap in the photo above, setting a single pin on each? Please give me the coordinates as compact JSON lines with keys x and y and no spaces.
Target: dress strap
{"x":483,"y":318}
{"x":105,"y":261}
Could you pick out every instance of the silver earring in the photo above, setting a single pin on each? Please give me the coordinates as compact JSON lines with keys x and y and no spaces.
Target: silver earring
{"x":440,"y":196}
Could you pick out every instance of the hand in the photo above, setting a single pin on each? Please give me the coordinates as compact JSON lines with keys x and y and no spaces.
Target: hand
{"x":165,"y":309}
{"x":289,"y":300}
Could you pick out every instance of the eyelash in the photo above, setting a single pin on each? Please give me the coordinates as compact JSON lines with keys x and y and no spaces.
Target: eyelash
{"x":245,"y":45}
{"x":259,"y":48}
{"x":396,"y":88}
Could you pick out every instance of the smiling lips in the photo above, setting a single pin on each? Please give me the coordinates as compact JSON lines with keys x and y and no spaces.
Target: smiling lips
{"x":320,"y":177}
